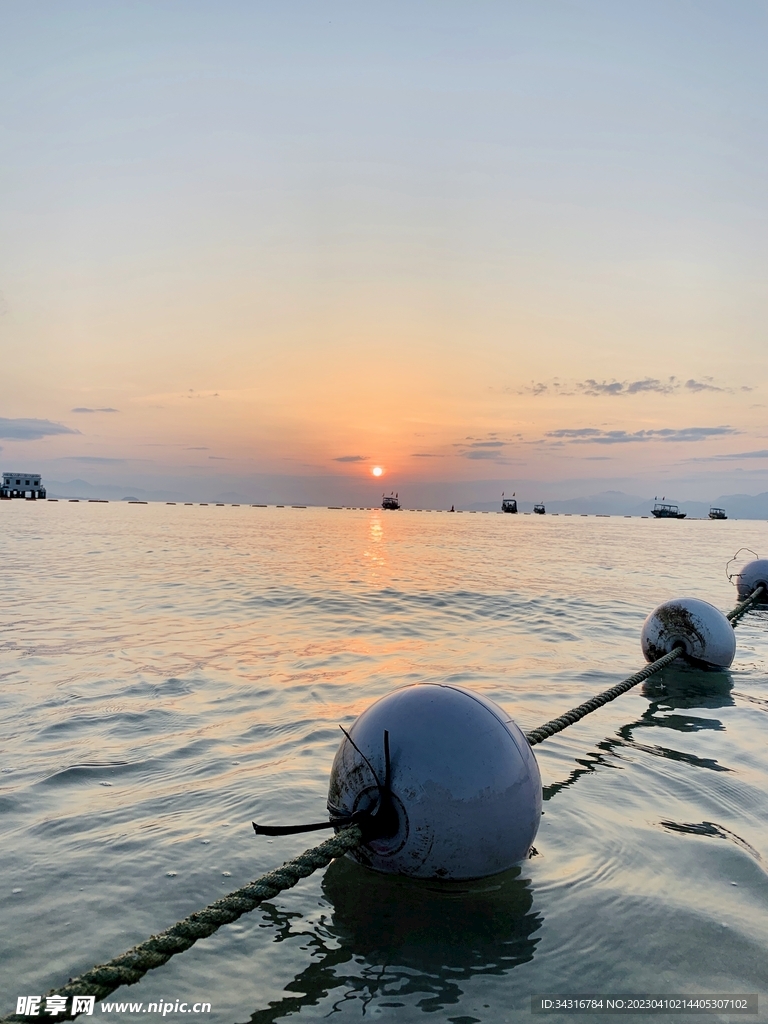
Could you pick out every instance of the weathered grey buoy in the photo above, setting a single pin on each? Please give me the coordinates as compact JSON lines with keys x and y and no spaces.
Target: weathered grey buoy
{"x":752,"y":575}
{"x":463,"y":785}
{"x":704,"y":633}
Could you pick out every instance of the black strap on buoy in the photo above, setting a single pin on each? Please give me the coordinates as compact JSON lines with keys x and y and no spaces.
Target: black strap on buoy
{"x":316,"y":826}
{"x":375,"y":823}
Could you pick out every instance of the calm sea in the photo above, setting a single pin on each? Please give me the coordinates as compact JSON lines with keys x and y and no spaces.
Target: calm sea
{"x":170,"y":673}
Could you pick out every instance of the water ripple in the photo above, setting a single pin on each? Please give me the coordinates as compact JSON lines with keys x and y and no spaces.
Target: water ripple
{"x":171,"y":673}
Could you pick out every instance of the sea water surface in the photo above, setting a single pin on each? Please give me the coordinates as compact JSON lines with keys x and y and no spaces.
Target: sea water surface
{"x":170,"y":673}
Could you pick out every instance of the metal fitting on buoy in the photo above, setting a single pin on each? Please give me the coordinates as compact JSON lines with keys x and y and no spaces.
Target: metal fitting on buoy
{"x":701,"y":630}
{"x":751,"y":576}
{"x":443,"y":782}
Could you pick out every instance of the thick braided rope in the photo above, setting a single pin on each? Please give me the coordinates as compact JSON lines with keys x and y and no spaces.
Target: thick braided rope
{"x":746,"y":604}
{"x":130,"y":967}
{"x":576,"y":714}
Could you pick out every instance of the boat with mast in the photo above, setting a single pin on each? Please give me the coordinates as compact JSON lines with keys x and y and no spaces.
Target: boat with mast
{"x":664,"y":510}
{"x":509,"y":504}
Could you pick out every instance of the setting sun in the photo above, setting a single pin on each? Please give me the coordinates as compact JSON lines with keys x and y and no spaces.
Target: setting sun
{"x":377,"y":470}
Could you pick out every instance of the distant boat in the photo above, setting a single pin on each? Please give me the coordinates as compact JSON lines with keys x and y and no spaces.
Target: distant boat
{"x":390,"y":501}
{"x":508,"y":504}
{"x":663,"y":511}
{"x":539,"y":509}
{"x":717,"y":513}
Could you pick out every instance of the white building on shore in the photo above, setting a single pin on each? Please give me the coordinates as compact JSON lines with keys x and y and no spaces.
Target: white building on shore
{"x":22,"y":485}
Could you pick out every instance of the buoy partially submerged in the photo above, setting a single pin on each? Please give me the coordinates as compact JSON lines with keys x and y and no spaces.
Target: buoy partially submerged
{"x":752,"y":575}
{"x":440,"y":783}
{"x":701,"y":630}
{"x":448,"y":782}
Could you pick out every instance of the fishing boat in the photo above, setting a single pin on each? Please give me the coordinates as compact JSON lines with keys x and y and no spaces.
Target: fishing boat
{"x":539,"y":509}
{"x":508,"y":504}
{"x":717,"y":513}
{"x":662,"y":510}
{"x":390,"y":501}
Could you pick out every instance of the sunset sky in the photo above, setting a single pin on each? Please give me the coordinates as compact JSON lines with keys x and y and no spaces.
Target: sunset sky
{"x":253,"y":246}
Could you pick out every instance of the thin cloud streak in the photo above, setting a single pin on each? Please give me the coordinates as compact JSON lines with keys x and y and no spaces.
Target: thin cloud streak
{"x":635,"y":387}
{"x":622,"y":388}
{"x":591,"y":435}
{"x":82,"y":408}
{"x":732,"y":456}
{"x":94,"y":460}
{"x":31,"y":430}
{"x":481,"y":453}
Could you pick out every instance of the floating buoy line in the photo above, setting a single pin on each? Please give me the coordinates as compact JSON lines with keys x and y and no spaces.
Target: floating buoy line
{"x":460,"y":799}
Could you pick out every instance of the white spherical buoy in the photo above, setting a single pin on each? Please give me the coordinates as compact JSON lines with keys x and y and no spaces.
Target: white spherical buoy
{"x":751,"y":576}
{"x":704,"y":633}
{"x":465,"y":786}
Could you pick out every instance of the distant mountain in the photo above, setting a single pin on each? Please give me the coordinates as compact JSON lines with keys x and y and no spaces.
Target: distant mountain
{"x":614,"y":503}
{"x":112,"y":492}
{"x":233,"y":497}
{"x":737,"y":506}
{"x":325,"y":491}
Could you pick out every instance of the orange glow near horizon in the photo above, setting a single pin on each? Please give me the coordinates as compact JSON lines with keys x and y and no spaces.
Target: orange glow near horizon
{"x":251,"y":304}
